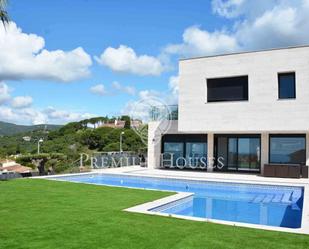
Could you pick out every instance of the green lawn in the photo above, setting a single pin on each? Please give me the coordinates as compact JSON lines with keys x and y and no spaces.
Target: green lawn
{"x":48,"y":214}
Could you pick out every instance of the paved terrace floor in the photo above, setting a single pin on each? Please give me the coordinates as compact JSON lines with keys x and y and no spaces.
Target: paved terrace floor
{"x":209,"y":176}
{"x":220,"y":177}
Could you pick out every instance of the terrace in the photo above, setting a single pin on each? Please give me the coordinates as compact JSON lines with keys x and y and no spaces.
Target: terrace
{"x":163,"y":112}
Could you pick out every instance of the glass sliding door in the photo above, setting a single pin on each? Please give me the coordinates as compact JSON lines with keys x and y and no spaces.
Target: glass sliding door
{"x":232,"y":155}
{"x":243,"y":153}
{"x":248,"y":153}
{"x":255,"y":154}
{"x":239,"y":152}
{"x":221,"y":149}
{"x":194,"y":153}
{"x":173,"y":151}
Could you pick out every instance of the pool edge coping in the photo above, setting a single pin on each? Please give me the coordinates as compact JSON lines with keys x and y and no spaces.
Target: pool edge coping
{"x":146,"y":207}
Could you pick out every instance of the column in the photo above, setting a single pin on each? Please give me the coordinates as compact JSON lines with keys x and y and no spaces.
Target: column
{"x":264,"y":150}
{"x":154,"y":146}
{"x":210,"y":151}
{"x":307,"y":149}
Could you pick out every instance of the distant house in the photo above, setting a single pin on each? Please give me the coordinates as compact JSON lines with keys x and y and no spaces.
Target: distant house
{"x":27,"y":138}
{"x":135,"y":124}
{"x":95,"y":125}
{"x":116,"y":124}
{"x":17,"y":169}
{"x":120,"y":124}
{"x":12,"y":166}
{"x":7,"y":163}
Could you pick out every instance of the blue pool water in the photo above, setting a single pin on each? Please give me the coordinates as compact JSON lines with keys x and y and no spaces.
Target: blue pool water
{"x":257,"y":204}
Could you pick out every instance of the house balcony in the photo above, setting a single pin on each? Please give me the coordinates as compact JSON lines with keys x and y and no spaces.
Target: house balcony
{"x":163,"y":112}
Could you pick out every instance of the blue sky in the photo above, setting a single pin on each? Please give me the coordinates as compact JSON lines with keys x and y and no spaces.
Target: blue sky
{"x":163,"y":31}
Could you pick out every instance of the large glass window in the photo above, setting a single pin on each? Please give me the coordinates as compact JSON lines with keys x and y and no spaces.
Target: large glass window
{"x":287,"y":86}
{"x":188,"y":151}
{"x":227,"y":89}
{"x":173,"y":150}
{"x":238,"y":152}
{"x":248,"y":153}
{"x":222,"y":152}
{"x":195,"y":152}
{"x":287,"y":149}
{"x":232,"y":155}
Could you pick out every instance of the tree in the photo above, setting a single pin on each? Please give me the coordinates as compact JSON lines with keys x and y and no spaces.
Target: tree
{"x":91,"y":138}
{"x":4,"y":17}
{"x":39,"y":160}
{"x":127,"y":120}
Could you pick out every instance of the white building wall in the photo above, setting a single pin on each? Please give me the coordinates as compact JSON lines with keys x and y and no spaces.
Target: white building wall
{"x":264,"y":111}
{"x":156,"y":130}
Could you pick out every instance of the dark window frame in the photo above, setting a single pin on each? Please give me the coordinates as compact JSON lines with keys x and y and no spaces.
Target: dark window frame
{"x":286,"y":135}
{"x":184,"y":139}
{"x":246,"y":90}
{"x":237,"y":136}
{"x":286,"y":74}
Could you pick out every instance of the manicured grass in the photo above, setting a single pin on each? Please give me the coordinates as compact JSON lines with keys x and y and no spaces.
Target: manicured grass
{"x":48,"y":214}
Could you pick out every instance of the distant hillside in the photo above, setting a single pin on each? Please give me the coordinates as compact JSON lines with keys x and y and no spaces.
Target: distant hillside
{"x":7,"y":129}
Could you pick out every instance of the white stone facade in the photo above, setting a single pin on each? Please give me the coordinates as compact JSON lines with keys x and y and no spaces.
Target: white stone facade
{"x":263,"y":113}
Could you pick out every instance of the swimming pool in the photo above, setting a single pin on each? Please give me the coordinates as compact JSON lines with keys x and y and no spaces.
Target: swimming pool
{"x":269,"y":205}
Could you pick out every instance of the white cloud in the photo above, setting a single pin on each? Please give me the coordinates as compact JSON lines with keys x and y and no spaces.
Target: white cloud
{"x":280,"y":26}
{"x":35,"y":116}
{"x":123,"y":89}
{"x":268,"y":24}
{"x":98,"y":89}
{"x":65,"y":116}
{"x":21,"y":116}
{"x":140,"y":108}
{"x":7,"y":114}
{"x":17,"y":110}
{"x":117,"y":88}
{"x":200,"y":42}
{"x":21,"y":101}
{"x":124,"y":60}
{"x":248,"y":8}
{"x":4,"y":93}
{"x":23,"y":56}
{"x":229,"y":9}
{"x":174,"y":84}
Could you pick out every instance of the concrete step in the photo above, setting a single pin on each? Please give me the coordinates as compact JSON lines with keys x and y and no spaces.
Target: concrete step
{"x":277,"y":198}
{"x":286,"y":197}
{"x":268,"y":198}
{"x":258,"y":198}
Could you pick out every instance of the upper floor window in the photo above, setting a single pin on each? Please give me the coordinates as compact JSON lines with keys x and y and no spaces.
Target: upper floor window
{"x":287,"y":89}
{"x":227,"y":89}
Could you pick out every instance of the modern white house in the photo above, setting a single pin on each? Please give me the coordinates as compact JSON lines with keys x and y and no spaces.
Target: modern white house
{"x":242,"y":111}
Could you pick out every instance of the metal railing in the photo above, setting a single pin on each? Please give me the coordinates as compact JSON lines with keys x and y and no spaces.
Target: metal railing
{"x":169,"y":112}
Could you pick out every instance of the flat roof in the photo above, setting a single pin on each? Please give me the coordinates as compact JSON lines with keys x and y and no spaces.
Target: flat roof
{"x":244,"y":52}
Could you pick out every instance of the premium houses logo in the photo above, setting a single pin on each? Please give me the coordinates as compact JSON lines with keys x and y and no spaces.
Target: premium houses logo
{"x":110,"y":160}
{"x":168,"y":160}
{"x":171,"y":160}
